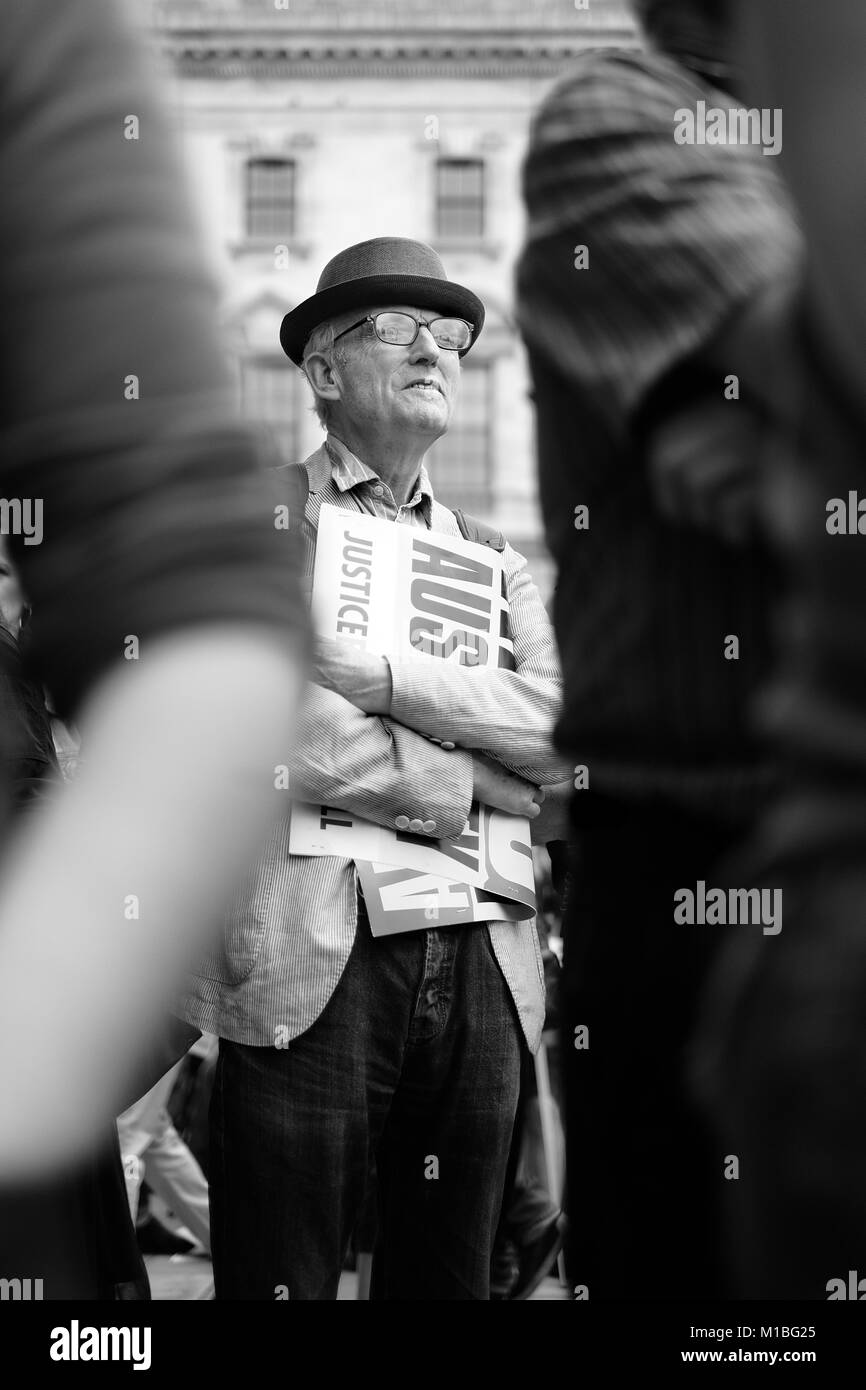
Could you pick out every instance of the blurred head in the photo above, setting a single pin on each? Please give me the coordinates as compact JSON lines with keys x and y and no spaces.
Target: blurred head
{"x":696,"y":31}
{"x":11,"y":597}
{"x":364,"y":385}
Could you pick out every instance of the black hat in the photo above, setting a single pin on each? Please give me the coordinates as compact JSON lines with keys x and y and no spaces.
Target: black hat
{"x":386,"y":270}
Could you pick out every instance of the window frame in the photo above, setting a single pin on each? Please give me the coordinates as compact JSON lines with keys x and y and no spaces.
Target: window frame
{"x":447,"y":203}
{"x":287,"y":229}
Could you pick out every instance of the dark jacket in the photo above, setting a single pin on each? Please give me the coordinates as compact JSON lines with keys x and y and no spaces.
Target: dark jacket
{"x":679,"y":239}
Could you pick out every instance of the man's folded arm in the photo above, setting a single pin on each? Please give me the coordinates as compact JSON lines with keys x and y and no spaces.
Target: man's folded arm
{"x":508,"y":714}
{"x":377,"y":769}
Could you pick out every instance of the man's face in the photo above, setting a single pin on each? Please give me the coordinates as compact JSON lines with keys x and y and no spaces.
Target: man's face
{"x":383,"y":385}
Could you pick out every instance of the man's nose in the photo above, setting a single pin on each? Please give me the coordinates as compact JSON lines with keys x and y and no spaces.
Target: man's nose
{"x":425,"y":348}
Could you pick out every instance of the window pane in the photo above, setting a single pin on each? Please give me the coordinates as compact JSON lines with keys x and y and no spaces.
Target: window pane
{"x":460,"y":198}
{"x":459,"y":463}
{"x":270,"y":397}
{"x":270,"y":198}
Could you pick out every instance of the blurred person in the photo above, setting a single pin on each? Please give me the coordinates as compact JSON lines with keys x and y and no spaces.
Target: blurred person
{"x":190,"y":1099}
{"x":404,"y":1045}
{"x":91,"y":1198}
{"x":782,"y":1053}
{"x":14,"y":613}
{"x":31,"y":765}
{"x":648,"y":264}
{"x":153,"y":1236}
{"x":158,"y":544}
{"x":12,"y":606}
{"x":152,"y":1151}
{"x":531,"y":1226}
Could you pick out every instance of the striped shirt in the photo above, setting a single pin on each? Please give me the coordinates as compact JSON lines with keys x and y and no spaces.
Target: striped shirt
{"x":291,"y":927}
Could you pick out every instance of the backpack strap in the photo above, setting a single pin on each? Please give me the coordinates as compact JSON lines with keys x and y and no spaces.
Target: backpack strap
{"x":297,"y":481}
{"x":478,"y":531}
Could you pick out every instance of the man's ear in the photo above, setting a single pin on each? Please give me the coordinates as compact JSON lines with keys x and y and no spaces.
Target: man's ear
{"x":322,"y":377}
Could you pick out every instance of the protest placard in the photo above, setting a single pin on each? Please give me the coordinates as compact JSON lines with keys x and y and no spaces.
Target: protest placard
{"x":416,"y":595}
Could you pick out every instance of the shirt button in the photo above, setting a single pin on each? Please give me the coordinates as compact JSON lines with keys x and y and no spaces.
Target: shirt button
{"x":449,"y":747}
{"x":416,"y":825}
{"x":428,"y":827}
{"x":378,"y":490}
{"x":402,"y":822}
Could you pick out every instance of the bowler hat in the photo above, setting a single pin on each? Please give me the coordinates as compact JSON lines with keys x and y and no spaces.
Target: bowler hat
{"x":386,"y":270}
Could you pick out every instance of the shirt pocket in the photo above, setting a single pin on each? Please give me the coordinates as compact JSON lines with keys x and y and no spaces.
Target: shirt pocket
{"x":245,"y":923}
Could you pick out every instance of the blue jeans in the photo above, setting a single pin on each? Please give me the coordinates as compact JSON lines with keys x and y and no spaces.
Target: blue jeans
{"x":412,"y":1070}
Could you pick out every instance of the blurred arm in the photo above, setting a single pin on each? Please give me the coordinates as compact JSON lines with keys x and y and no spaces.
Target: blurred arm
{"x":117,"y":880}
{"x":157,"y":525}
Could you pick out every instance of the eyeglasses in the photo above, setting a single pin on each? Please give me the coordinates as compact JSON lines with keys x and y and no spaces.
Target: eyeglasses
{"x":401,"y":330}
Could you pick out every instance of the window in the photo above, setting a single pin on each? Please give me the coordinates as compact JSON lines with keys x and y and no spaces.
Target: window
{"x":270,"y":396}
{"x":459,"y":463}
{"x":460,"y":198}
{"x":270,"y":198}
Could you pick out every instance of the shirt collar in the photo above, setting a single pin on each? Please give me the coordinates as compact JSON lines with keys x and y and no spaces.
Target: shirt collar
{"x":349,"y":471}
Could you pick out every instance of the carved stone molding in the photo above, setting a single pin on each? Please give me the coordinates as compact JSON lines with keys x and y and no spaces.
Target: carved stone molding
{"x":233,"y":55}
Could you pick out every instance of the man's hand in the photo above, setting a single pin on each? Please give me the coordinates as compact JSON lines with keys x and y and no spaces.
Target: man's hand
{"x":361,"y":678}
{"x":553,"y":822}
{"x":497,"y":787}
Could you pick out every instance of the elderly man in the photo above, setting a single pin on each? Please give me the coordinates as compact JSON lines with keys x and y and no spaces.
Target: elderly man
{"x":391,"y":1051}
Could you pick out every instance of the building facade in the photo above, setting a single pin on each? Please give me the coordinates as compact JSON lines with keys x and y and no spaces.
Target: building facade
{"x":312,"y":124}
